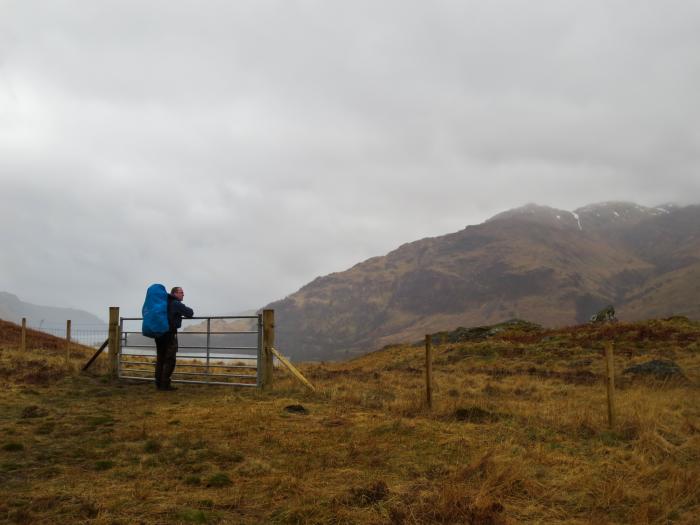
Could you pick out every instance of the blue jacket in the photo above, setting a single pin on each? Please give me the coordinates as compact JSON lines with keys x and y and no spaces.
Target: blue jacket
{"x":176,"y":311}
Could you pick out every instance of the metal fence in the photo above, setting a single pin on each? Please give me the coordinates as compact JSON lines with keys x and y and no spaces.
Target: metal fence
{"x":223,"y":350}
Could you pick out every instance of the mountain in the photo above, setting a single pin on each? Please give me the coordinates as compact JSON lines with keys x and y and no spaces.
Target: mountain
{"x":549,"y":266}
{"x":46,"y":317}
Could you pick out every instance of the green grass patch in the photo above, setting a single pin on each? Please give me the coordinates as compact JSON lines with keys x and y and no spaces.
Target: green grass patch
{"x":193,"y":480}
{"x":104,"y":464}
{"x":192,"y":516}
{"x":475,"y":414}
{"x":218,"y":480}
{"x":610,"y":438}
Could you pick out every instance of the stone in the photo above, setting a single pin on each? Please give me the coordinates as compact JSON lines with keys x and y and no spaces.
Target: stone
{"x":657,"y":369}
{"x":606,"y":315}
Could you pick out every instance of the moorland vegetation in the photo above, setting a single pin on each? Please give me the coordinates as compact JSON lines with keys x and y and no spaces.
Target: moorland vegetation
{"x":518,"y":433}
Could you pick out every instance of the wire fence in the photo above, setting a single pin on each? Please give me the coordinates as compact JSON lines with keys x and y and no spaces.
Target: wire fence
{"x":85,"y":334}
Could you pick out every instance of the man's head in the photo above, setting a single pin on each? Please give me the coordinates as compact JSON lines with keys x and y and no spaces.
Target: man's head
{"x":177,"y":293}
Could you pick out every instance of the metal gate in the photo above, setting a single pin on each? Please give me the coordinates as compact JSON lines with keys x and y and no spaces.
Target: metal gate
{"x":223,"y":350}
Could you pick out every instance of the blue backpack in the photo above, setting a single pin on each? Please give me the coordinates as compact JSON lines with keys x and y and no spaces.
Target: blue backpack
{"x":155,"y":312}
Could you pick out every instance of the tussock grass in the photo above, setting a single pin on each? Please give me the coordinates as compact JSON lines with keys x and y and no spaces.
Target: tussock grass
{"x":517,"y":434}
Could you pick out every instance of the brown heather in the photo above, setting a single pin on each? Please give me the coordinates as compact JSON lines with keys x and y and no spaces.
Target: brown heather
{"x":518,"y":434}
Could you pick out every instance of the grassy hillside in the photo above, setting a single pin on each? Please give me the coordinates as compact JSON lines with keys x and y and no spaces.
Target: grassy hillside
{"x":517,"y":434}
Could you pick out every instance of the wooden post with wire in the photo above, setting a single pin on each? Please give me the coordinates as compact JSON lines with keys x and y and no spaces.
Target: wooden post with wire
{"x":68,"y":327}
{"x":429,"y":371}
{"x":113,"y":345}
{"x":268,"y":345}
{"x":610,"y":382}
{"x":23,"y":336}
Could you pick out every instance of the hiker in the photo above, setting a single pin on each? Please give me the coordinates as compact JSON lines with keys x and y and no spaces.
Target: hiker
{"x":166,"y":345}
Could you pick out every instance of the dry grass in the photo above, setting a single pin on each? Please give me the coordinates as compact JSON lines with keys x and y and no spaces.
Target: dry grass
{"x":517,"y":434}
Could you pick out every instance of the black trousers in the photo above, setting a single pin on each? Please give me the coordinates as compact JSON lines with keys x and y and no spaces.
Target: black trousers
{"x":166,"y":352}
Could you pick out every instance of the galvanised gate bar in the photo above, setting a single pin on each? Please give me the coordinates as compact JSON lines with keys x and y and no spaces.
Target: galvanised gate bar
{"x":223,"y":350}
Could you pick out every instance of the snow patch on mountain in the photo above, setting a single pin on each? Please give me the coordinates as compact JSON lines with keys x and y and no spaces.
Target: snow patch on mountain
{"x":578,"y":219}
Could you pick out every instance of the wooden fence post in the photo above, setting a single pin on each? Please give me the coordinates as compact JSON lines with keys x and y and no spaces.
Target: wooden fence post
{"x":610,"y":382}
{"x":68,"y":323}
{"x":268,"y":344}
{"x":113,"y":345}
{"x":23,"y":336}
{"x":429,"y":371}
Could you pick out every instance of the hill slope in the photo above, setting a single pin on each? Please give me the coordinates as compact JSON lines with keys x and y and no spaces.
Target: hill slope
{"x":10,"y":335}
{"x":548,"y":266}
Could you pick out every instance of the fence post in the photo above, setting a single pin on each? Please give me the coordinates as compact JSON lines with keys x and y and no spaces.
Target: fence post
{"x":68,"y":323}
{"x":23,"y":336}
{"x":268,"y":343}
{"x":610,"y":382}
{"x":429,"y":371}
{"x":113,"y":345}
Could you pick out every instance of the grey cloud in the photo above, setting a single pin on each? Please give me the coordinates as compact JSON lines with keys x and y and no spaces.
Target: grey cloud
{"x":241,"y":149}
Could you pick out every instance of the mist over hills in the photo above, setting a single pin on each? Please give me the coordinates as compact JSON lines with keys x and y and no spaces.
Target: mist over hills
{"x":550,"y":266}
{"x":47,"y":317}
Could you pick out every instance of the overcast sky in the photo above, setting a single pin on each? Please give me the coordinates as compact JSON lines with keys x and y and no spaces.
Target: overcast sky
{"x":241,"y":149}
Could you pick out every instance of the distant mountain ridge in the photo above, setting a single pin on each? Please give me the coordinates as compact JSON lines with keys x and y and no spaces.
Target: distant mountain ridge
{"x":13,"y":309}
{"x":549,"y":266}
